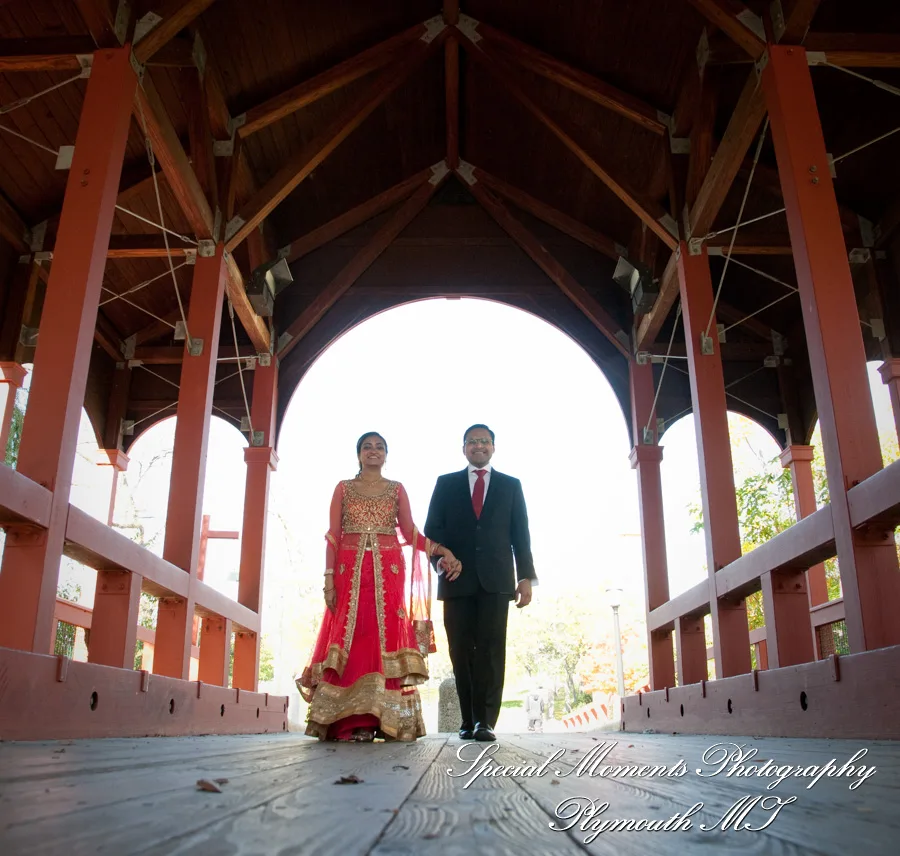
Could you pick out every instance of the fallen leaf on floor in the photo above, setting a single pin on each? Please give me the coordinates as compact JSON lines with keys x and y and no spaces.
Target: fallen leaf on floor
{"x":631,"y":745}
{"x":221,"y":781}
{"x":399,"y":767}
{"x":555,"y":782}
{"x":58,"y":751}
{"x":207,"y":785}
{"x":349,"y":780}
{"x":429,"y":835}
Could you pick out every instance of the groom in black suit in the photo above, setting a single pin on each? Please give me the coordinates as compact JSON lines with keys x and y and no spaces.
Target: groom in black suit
{"x":479,"y":514}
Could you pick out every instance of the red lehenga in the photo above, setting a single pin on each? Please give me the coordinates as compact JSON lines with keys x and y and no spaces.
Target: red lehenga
{"x":370,"y":653}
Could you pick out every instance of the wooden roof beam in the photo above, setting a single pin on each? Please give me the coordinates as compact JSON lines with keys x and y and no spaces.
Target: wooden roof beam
{"x":649,"y":212}
{"x":451,"y":99}
{"x":146,"y":247}
{"x":491,"y":40}
{"x":167,"y":148}
{"x":322,"y":145}
{"x":532,"y":247}
{"x":344,"y":73}
{"x":739,"y":23}
{"x":108,"y":338}
{"x":342,"y":224}
{"x":12,"y":226}
{"x":173,"y":16}
{"x":60,"y":53}
{"x":848,"y":50}
{"x":557,"y":219}
{"x":363,"y":259}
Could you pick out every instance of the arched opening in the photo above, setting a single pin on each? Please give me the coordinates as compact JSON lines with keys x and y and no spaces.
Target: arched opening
{"x":421,"y":374}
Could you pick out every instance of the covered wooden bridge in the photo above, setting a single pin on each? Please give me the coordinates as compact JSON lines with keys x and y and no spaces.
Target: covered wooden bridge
{"x":704,"y":194}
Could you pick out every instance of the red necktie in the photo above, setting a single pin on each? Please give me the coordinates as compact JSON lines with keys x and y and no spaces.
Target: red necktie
{"x":478,"y":493}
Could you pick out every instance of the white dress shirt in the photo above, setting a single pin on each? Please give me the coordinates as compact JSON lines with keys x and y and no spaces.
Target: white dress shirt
{"x":473,"y":478}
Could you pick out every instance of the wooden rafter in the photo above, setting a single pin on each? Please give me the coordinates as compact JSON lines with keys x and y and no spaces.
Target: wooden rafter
{"x":97,"y":17}
{"x":157,"y":329}
{"x":355,"y":216}
{"x":563,"y":222}
{"x":652,"y":322}
{"x":47,"y":54}
{"x":566,"y":283}
{"x":322,"y":145}
{"x":12,"y":226}
{"x":175,"y":15}
{"x":451,"y":98}
{"x":649,"y":212}
{"x":344,"y":73}
{"x":107,"y":337}
{"x":146,"y":247}
{"x":361,"y":262}
{"x":738,"y":22}
{"x":172,"y":355}
{"x":599,"y":91}
{"x":236,"y":291}
{"x":848,"y":50}
{"x":172,"y":158}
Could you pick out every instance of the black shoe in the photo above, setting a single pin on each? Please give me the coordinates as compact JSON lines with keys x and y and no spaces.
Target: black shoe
{"x":484,"y":733}
{"x":466,"y":732}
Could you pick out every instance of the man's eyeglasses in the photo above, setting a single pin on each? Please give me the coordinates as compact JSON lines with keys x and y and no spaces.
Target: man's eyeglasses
{"x":479,"y":441}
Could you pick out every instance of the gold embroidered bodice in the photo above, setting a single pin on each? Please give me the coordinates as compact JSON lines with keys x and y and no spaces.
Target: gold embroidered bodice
{"x":361,"y":514}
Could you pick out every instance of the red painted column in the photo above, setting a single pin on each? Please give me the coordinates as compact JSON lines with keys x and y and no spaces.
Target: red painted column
{"x":174,"y":622}
{"x":261,"y":460}
{"x":869,"y":573}
{"x":12,"y":376}
{"x":799,"y":459}
{"x":215,"y":647}
{"x":690,"y":642}
{"x":30,"y":568}
{"x":731,"y":636}
{"x":890,"y":376}
{"x":118,"y":594}
{"x":646,"y":458}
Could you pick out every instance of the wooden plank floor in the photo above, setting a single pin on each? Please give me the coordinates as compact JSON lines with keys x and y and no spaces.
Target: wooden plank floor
{"x":125,"y":797}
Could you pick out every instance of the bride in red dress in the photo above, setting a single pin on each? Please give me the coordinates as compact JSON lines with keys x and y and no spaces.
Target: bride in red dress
{"x":370,"y":653}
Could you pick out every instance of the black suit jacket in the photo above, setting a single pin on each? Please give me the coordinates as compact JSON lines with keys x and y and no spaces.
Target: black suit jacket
{"x":494,"y":549}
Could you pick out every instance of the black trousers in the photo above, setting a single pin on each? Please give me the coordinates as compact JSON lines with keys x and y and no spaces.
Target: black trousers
{"x":476,"y":635}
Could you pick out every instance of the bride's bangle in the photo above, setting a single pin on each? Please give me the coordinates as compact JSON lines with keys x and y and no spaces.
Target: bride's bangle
{"x":329,"y":572}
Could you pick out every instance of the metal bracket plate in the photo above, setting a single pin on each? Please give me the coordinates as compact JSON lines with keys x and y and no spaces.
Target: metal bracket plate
{"x":123,"y":16}
{"x":223,"y":148}
{"x":265,"y":360}
{"x":233,"y":226}
{"x":468,"y":26}
{"x":680,"y":145}
{"x":776,"y":13}
{"x":438,"y":171}
{"x":258,"y":438}
{"x":466,"y":172}
{"x":145,"y":25}
{"x":195,"y":349}
{"x":816,"y":58}
{"x":695,"y":246}
{"x":206,"y":248}
{"x":433,"y":28}
{"x":64,"y":157}
{"x":707,"y":348}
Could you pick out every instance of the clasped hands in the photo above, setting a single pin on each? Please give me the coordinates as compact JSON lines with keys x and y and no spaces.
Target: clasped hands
{"x":450,"y":566}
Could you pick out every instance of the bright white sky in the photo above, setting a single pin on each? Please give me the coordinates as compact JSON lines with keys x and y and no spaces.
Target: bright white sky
{"x":419,"y":375}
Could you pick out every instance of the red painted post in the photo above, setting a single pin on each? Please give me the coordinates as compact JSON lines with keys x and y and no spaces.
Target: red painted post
{"x":30,"y":569}
{"x":731,"y":635}
{"x":890,"y":376}
{"x":789,"y":638}
{"x":690,"y":643}
{"x":261,"y":460}
{"x":869,"y":572}
{"x":183,"y":520}
{"x":12,"y":376}
{"x":799,"y":459}
{"x":215,"y":650}
{"x":645,"y":459}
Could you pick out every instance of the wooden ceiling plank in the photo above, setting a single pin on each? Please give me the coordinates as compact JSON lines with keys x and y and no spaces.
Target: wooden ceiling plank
{"x":649,"y":212}
{"x":359,"y":264}
{"x":344,"y":73}
{"x":888,"y":224}
{"x":355,"y":216}
{"x":12,"y":226}
{"x":586,"y":85}
{"x":848,"y":50}
{"x":322,"y":145}
{"x":157,"y":329}
{"x":179,"y":53}
{"x":167,"y":149}
{"x":738,"y":22}
{"x":200,"y":137}
{"x":176,"y":15}
{"x":798,"y":15}
{"x":98,"y":18}
{"x":108,"y":338}
{"x":566,"y":283}
{"x":652,"y":322}
{"x":563,"y":222}
{"x":46,"y":54}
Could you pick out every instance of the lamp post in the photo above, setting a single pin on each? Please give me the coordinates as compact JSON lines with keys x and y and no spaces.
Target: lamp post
{"x":614,"y":596}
